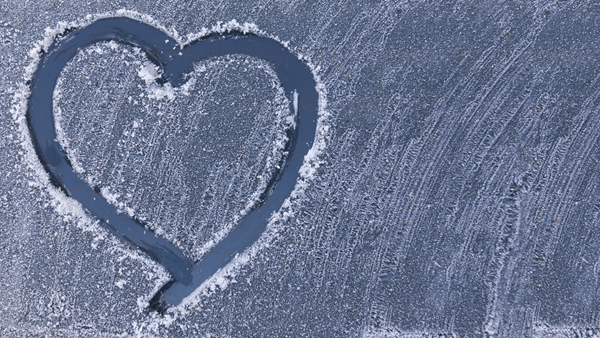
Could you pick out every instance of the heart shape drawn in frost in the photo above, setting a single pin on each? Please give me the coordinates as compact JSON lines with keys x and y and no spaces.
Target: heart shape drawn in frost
{"x":175,"y":62}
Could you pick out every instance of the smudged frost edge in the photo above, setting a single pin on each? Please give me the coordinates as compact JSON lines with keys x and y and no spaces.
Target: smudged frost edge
{"x":73,"y":212}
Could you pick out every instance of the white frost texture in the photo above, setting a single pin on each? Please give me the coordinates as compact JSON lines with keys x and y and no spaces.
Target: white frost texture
{"x":453,"y":188}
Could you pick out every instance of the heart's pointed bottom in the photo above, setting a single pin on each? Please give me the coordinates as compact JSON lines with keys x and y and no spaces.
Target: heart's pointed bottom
{"x":157,"y":303}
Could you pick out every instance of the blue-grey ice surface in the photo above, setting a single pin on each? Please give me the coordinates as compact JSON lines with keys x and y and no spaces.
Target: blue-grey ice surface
{"x":458,"y":193}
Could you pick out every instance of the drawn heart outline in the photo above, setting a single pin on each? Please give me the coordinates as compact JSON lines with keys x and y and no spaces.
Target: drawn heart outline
{"x":175,"y":61}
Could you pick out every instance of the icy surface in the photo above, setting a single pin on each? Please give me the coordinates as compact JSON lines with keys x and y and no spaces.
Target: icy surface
{"x":458,"y":194}
{"x":188,"y":161}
